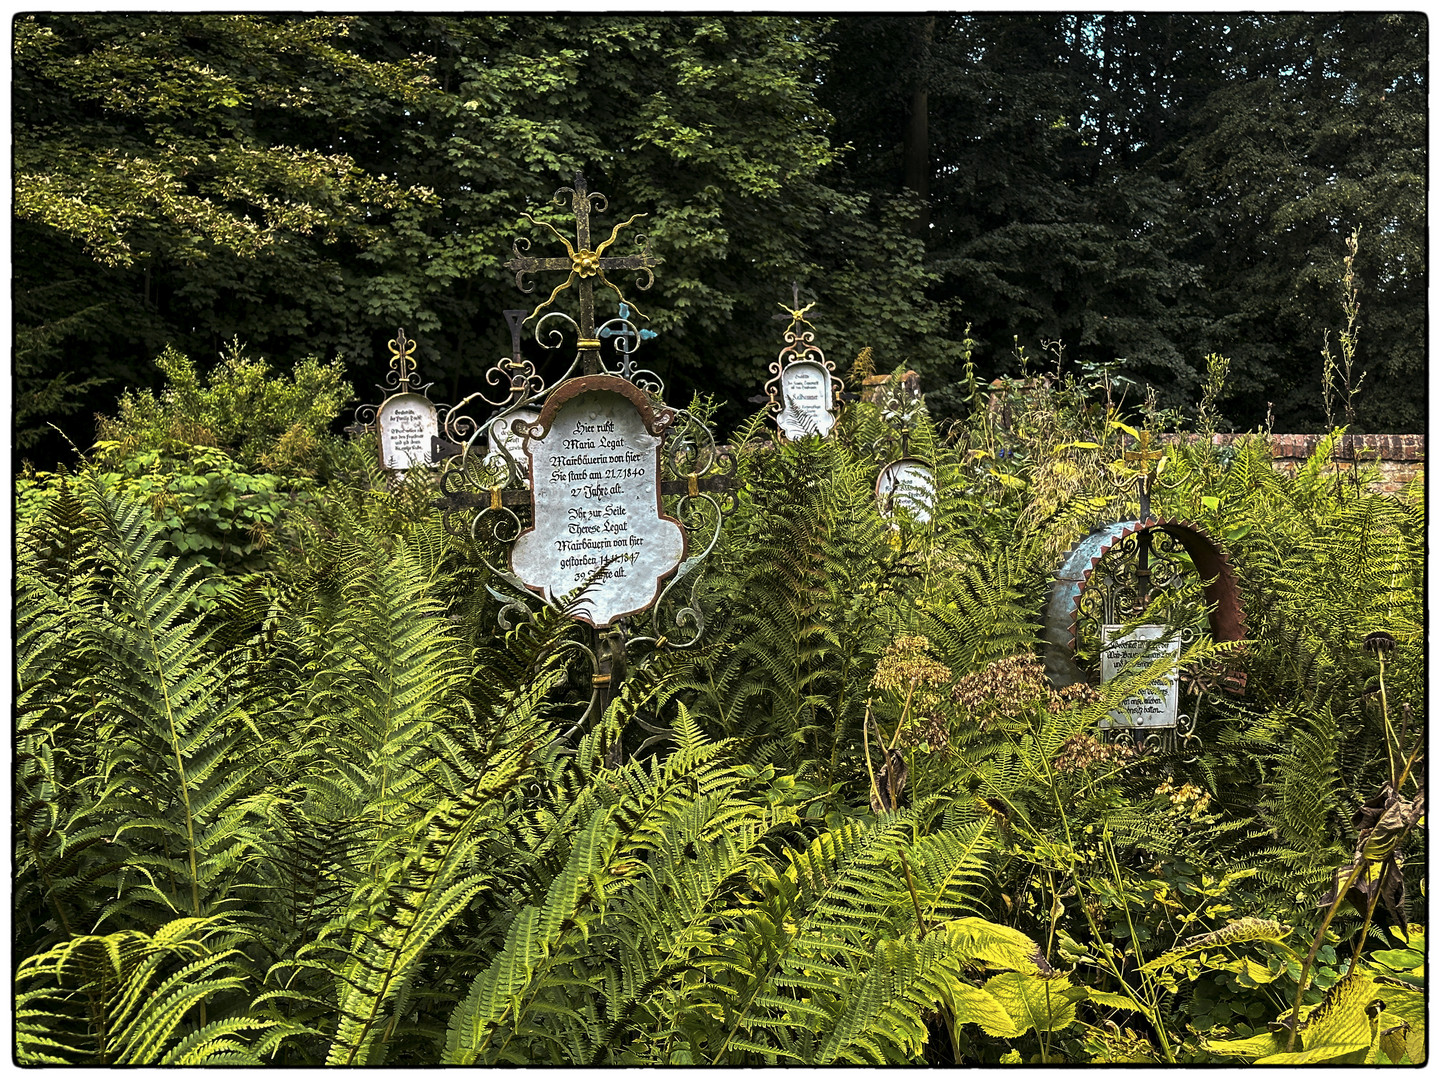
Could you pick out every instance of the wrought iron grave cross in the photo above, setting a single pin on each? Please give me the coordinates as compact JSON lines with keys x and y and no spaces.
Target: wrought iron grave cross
{"x":627,"y":339}
{"x":796,"y":313}
{"x":582,"y":265}
{"x":1145,"y":458}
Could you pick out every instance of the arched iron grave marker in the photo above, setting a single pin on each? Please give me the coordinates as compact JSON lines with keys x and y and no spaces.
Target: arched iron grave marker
{"x":572,"y":476}
{"x":1130,"y":592}
{"x":407,"y":421}
{"x":906,"y":484}
{"x":805,"y":391}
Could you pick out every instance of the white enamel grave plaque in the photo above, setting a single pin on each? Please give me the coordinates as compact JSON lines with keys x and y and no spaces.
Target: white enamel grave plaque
{"x":806,"y":391}
{"x":500,"y":433}
{"x":596,"y":494}
{"x":906,"y":483}
{"x":407,"y":423}
{"x":1156,"y":708}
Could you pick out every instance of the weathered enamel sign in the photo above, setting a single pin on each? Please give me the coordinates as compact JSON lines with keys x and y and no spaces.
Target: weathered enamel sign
{"x":599,"y":523}
{"x":1157,"y":708}
{"x":807,"y":393}
{"x":407,"y":423}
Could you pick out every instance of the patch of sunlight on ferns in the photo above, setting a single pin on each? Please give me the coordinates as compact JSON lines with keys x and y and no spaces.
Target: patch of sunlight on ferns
{"x":391,"y":665}
{"x":432,"y":883}
{"x":801,"y":581}
{"x":123,"y":998}
{"x":636,"y":854}
{"x":834,"y":970}
{"x":178,"y":729}
{"x":986,"y":614}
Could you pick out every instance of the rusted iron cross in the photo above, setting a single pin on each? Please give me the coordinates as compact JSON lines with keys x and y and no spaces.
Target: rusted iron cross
{"x":582,"y":265}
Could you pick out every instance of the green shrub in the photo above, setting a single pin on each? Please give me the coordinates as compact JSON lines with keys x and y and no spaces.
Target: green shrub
{"x":261,"y":420}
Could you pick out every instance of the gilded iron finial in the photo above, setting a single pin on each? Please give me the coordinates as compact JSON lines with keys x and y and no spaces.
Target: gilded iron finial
{"x":402,"y":358}
{"x":1145,"y":458}
{"x":795,"y":312}
{"x":580,"y":263}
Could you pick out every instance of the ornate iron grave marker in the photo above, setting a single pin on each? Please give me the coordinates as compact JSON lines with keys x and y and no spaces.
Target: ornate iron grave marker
{"x":601,"y":453}
{"x":600,"y":526}
{"x":407,"y":421}
{"x":1110,"y":588}
{"x":805,"y":391}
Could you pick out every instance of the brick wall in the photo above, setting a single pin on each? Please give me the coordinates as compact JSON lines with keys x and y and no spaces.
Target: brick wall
{"x":1400,"y":458}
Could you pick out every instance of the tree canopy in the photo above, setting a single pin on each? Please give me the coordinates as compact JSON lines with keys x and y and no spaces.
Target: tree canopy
{"x":1145,"y":189}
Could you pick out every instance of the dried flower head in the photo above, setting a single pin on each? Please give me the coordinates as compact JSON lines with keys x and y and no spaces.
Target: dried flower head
{"x":1082,"y":750}
{"x":1380,"y":643}
{"x":907,"y":664}
{"x":1012,"y":685}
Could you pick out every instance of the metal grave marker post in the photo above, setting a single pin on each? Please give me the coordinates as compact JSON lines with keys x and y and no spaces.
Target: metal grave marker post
{"x":407,"y":421}
{"x":907,"y":484}
{"x":805,"y":391}
{"x":598,"y":452}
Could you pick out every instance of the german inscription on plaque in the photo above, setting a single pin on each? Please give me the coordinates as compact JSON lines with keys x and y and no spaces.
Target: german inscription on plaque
{"x":594,"y":458}
{"x":806,"y":391}
{"x":909,"y":484}
{"x":407,"y":423}
{"x":1155,"y":708}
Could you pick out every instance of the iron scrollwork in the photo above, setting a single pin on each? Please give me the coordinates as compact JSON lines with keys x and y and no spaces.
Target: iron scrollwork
{"x":485,"y":484}
{"x":400,"y":380}
{"x":800,"y":350}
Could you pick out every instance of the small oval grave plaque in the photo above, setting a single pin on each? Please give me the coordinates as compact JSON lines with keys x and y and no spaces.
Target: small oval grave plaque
{"x":407,"y":423}
{"x":906,"y":483}
{"x":594,"y":455}
{"x":806,"y":391}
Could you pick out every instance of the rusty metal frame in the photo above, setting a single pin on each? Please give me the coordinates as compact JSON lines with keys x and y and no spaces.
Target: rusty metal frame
{"x":1062,"y":608}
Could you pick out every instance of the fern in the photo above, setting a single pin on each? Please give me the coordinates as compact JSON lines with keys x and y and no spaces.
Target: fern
{"x":176,"y":753}
{"x":127,"y":998}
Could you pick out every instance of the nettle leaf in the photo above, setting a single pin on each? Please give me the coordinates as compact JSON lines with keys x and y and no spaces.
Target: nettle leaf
{"x":1341,"y":1029}
{"x":1033,"y":1001}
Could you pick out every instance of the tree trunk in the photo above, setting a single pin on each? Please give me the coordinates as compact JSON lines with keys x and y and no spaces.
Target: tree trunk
{"x":917,"y":128}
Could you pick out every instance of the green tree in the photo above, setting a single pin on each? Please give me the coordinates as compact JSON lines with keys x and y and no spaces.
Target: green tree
{"x":1150,"y":188}
{"x":1319,"y":128}
{"x":161,"y":161}
{"x":309,"y":184}
{"x":1038,"y":227}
